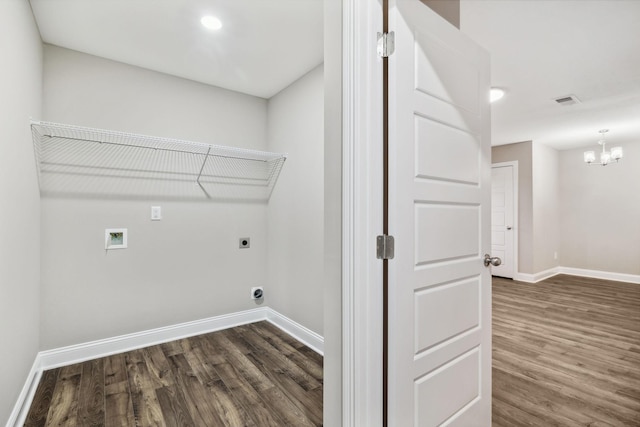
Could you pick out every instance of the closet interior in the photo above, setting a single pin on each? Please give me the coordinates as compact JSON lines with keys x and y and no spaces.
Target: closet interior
{"x":217,"y":193}
{"x":218,"y":166}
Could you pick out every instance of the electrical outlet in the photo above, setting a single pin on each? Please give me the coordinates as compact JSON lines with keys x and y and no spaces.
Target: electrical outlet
{"x":244,"y":243}
{"x":257,"y":292}
{"x":555,"y":255}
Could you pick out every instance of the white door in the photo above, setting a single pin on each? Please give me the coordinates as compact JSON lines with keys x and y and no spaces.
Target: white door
{"x":502,"y":220}
{"x":439,"y":211}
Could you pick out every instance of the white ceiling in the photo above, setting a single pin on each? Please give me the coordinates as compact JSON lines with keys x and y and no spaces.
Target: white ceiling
{"x":263,"y":46}
{"x":540,"y":50}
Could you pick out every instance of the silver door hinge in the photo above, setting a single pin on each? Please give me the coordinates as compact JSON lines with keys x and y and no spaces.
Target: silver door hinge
{"x":386,"y":44}
{"x":384,"y":247}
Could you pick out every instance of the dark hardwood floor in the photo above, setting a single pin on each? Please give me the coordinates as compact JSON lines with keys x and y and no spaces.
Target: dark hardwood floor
{"x":251,"y":375}
{"x":566,"y":352}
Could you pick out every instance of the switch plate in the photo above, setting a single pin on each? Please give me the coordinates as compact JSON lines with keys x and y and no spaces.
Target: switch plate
{"x":156,"y":213}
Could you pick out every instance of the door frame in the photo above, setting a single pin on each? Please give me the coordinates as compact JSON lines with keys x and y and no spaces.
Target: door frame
{"x":362,"y":199}
{"x":516,"y":228}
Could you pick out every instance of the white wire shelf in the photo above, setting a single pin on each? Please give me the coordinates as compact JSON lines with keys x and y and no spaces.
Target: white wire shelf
{"x":74,"y":160}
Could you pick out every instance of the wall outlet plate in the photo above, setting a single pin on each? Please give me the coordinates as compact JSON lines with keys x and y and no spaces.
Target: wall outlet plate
{"x":156,"y":213}
{"x":244,"y":243}
{"x":257,"y":292}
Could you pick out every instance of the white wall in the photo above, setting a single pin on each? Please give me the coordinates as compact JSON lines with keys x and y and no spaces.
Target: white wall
{"x":600,"y":212}
{"x":296,"y":208}
{"x":546,"y":210}
{"x":187,"y":266}
{"x":21,"y":94}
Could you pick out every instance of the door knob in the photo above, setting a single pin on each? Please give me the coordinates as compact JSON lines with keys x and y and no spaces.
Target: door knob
{"x":508,"y":227}
{"x":488,"y":259}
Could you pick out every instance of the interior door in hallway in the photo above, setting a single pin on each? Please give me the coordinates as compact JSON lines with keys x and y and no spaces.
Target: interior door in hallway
{"x":503,"y":228}
{"x":439,"y":340}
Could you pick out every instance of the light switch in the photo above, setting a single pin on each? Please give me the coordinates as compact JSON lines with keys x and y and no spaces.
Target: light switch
{"x":156,"y":213}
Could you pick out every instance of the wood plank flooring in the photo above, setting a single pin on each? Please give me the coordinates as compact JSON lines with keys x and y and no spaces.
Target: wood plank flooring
{"x":566,"y":352}
{"x":251,"y":375}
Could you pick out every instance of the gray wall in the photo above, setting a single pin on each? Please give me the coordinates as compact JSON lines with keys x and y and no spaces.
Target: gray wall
{"x":600,"y":212}
{"x":587,"y":214}
{"x":89,"y":91}
{"x":296,"y":208}
{"x":522,"y":152}
{"x":332,"y":381}
{"x":546,"y":210}
{"x":185,"y":267}
{"x":21,"y":94}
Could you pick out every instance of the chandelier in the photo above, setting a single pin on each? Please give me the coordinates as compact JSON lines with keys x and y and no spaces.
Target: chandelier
{"x":605,"y":156}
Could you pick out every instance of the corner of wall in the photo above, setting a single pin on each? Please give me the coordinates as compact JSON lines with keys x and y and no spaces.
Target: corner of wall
{"x":546,"y":211}
{"x":295,"y":221}
{"x":21,"y":88}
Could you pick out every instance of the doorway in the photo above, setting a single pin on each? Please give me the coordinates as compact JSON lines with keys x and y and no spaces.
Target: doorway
{"x":362,"y":321}
{"x":504,"y":217}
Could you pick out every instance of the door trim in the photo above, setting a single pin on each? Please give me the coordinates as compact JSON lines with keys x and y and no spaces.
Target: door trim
{"x":516,"y":210}
{"x":362,"y":199}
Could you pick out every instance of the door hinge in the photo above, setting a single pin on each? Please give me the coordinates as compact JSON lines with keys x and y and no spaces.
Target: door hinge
{"x":384,"y":247}
{"x":386,"y":44}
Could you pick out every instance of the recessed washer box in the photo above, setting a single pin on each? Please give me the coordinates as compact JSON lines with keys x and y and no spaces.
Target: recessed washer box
{"x":115,"y":238}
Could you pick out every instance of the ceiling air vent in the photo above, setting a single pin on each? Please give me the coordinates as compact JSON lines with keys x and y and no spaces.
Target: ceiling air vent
{"x":567,"y":100}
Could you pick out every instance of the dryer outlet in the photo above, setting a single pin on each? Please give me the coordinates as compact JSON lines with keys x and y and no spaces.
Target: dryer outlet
{"x":257,"y":292}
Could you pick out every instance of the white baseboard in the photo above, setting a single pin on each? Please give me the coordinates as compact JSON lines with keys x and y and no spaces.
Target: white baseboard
{"x":19,"y":413}
{"x":534,"y":278}
{"x":63,"y":356}
{"x":597,"y":274}
{"x":296,"y":330}
{"x":581,"y":272}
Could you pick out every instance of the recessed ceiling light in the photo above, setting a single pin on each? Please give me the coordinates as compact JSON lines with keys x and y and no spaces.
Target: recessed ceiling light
{"x":211,"y":22}
{"x":495,"y":94}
